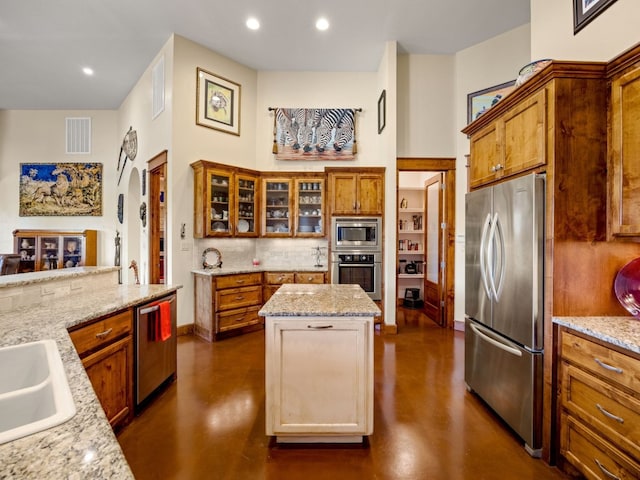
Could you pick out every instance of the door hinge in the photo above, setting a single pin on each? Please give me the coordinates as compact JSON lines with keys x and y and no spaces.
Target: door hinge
{"x":442,"y":265}
{"x":442,"y":303}
{"x":443,"y":225}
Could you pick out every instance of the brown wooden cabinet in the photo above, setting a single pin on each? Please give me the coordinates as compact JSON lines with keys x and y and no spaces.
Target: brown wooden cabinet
{"x":227,"y":304}
{"x":599,"y":407}
{"x":274,"y":280}
{"x":513,"y":143}
{"x":225,"y":201}
{"x":356,"y":192}
{"x":105,"y":347}
{"x":309,"y":206}
{"x":277,"y":206}
{"x":624,"y":146}
{"x":53,"y":249}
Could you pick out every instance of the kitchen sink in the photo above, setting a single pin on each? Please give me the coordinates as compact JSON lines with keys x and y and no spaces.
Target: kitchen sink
{"x":34,"y":392}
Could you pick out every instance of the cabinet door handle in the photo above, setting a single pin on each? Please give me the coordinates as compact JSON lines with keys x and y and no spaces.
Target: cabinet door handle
{"x":104,"y":334}
{"x":319,"y":327}
{"x":609,"y":414}
{"x":605,"y":471}
{"x":607,"y":367}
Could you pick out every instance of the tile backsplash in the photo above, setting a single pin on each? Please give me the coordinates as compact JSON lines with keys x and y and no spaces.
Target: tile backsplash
{"x":271,"y":252}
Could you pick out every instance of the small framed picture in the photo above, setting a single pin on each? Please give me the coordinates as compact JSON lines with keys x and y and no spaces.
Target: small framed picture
{"x":482,"y":100}
{"x":382,"y":111}
{"x":217,"y":102}
{"x":586,"y":10}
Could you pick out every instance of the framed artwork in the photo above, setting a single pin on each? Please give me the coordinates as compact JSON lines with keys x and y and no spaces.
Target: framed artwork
{"x":482,"y":100}
{"x":60,"y":189}
{"x":217,"y":102}
{"x":314,"y":133}
{"x":382,"y":111}
{"x":586,"y":10}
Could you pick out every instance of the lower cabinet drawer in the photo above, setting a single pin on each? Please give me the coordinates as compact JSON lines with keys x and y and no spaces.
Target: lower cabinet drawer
{"x":606,"y":408}
{"x":238,"y":297}
{"x":309,"y":277}
{"x":592,"y":455}
{"x":279,"y":278}
{"x":238,"y":318}
{"x":240,"y":280}
{"x":98,"y":334}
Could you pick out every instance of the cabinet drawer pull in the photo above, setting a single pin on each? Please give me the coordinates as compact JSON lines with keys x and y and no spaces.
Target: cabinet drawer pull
{"x":605,"y":471}
{"x":280,"y":278}
{"x":309,"y":279}
{"x":320,"y":327}
{"x":608,"y":414}
{"x":239,"y":297}
{"x":240,"y":281}
{"x":607,"y":367}
{"x":104,"y":334}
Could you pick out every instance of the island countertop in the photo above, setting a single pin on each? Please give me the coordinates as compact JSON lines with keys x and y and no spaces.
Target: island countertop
{"x":84,"y":446}
{"x":310,"y":300}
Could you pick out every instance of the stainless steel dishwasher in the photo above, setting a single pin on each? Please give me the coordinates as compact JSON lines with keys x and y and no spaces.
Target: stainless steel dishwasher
{"x":155,"y":360}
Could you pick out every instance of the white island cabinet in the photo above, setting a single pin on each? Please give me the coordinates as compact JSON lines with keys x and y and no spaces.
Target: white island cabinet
{"x":319,"y":363}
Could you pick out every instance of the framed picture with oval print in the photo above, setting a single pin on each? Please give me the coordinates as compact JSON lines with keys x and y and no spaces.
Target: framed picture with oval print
{"x":217,"y":102}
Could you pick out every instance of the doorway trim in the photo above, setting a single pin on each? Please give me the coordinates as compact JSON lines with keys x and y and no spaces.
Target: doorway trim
{"x":157,"y":168}
{"x":448,"y":167}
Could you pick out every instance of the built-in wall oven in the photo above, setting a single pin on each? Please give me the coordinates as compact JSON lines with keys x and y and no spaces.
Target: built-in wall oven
{"x":356,"y":253}
{"x":363,"y":268}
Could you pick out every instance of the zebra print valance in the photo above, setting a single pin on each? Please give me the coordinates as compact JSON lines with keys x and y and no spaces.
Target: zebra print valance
{"x":314,"y":133}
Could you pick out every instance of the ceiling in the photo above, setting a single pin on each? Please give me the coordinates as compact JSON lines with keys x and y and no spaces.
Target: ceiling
{"x":44,"y":44}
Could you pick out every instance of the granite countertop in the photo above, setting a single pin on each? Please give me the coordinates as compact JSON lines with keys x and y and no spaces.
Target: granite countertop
{"x":21,"y":279}
{"x":84,"y":446}
{"x":260,"y":268}
{"x":621,"y":331}
{"x":327,"y":300}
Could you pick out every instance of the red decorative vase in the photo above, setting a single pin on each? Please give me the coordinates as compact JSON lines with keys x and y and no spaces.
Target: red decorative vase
{"x":627,"y":287}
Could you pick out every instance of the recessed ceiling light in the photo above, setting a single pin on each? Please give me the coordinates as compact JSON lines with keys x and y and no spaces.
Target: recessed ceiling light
{"x":322,"y":24}
{"x":253,"y":23}
{"x":87,"y":71}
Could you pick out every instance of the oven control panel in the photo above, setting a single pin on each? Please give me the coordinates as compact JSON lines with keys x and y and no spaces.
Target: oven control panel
{"x":356,"y":258}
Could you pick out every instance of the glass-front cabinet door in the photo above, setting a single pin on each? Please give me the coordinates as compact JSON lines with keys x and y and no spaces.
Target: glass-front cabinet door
{"x":309,"y":207}
{"x":72,"y":248}
{"x":218,"y":185}
{"x":277,"y":207}
{"x":49,"y":252}
{"x":246,"y":211}
{"x":26,"y":247}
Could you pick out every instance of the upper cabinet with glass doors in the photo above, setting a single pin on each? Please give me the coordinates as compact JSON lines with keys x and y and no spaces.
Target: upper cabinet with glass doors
{"x":277,"y":207}
{"x":225,"y":201}
{"x":309,"y":207}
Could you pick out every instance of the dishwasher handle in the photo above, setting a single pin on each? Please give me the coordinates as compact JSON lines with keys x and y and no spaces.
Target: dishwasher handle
{"x":152,"y":308}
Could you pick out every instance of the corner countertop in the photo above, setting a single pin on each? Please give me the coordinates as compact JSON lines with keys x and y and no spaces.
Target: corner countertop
{"x":84,"y":446}
{"x":260,"y":268}
{"x":327,"y":300}
{"x":621,"y":331}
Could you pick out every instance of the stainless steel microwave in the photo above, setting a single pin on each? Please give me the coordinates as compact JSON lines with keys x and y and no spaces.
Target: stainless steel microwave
{"x":356,"y":233}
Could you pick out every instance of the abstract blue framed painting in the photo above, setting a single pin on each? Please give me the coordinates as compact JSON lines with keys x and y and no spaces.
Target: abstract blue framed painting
{"x":60,"y":189}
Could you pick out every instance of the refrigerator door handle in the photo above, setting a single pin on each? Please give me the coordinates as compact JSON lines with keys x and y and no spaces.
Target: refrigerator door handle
{"x":501,"y":344}
{"x":491,"y":249}
{"x":501,"y":256}
{"x":484,"y":273}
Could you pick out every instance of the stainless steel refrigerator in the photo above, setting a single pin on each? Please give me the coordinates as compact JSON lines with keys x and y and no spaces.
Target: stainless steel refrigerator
{"x":504,"y":306}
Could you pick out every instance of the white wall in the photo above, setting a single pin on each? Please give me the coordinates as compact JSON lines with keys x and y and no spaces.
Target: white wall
{"x":38,"y":136}
{"x":426,"y":106}
{"x":606,"y":36}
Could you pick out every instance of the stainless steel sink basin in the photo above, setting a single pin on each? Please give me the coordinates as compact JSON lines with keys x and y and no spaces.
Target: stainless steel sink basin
{"x":34,"y":392}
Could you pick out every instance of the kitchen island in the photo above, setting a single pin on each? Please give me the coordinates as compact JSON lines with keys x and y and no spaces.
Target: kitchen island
{"x":44,"y":305}
{"x":319,"y":363}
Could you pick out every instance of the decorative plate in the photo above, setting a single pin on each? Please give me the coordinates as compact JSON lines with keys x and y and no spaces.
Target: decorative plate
{"x":211,"y":258}
{"x":243,"y":226}
{"x":219,"y":227}
{"x":627,"y":287}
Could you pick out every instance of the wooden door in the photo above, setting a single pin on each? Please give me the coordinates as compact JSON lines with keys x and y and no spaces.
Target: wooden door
{"x":157,"y":218}
{"x":343,"y":193}
{"x":433,"y":241}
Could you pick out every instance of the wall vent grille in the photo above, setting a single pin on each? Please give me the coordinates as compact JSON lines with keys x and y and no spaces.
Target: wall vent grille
{"x":78,"y":135}
{"x":157,"y":88}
